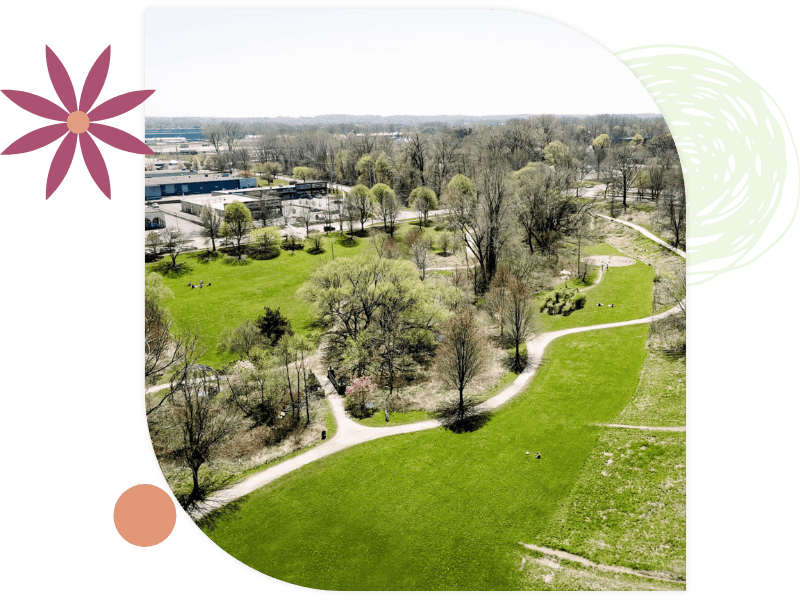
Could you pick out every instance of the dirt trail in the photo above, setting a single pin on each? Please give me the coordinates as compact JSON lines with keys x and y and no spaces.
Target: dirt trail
{"x":588,"y":563}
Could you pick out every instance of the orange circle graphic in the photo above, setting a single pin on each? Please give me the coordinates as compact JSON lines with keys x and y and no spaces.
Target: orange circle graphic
{"x":144,"y":515}
{"x":78,"y":122}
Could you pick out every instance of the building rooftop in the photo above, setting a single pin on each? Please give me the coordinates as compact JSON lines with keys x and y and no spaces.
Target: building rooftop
{"x":179,"y":179}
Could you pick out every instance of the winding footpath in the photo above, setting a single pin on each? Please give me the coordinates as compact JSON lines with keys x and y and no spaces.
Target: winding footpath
{"x":349,"y":433}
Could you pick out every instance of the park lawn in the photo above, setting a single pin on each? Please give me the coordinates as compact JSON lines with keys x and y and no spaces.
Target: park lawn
{"x":660,"y":399}
{"x":435,"y":510}
{"x":629,"y":289}
{"x":628,"y":507}
{"x":241,"y":291}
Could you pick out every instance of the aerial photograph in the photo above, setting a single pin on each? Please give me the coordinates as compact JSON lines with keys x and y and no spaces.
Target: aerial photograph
{"x":415,"y":311}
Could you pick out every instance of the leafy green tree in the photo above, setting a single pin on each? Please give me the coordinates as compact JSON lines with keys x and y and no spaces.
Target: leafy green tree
{"x":384,"y":169}
{"x":423,"y":199}
{"x":365,"y":167}
{"x":301,"y":173}
{"x":237,"y":225}
{"x":386,"y":205}
{"x":382,"y":306}
{"x":599,"y":145}
{"x":267,"y":242}
{"x":360,"y":202}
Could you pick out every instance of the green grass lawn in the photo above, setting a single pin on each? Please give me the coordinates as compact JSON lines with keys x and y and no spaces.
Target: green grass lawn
{"x":629,"y":289}
{"x":395,"y":418}
{"x":241,"y":291}
{"x":265,"y":183}
{"x":437,"y":510}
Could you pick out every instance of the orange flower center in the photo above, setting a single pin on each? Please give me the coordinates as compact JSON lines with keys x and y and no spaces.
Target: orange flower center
{"x":78,"y":122}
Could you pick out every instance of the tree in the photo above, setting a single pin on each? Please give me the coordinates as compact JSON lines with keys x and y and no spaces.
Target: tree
{"x":241,"y":157}
{"x":257,"y":389}
{"x":627,"y":161}
{"x":599,"y":146}
{"x":301,"y":173}
{"x":418,"y":247}
{"x":675,"y":208}
{"x":497,"y":298}
{"x":379,"y":304}
{"x":359,"y":201}
{"x":238,"y":223}
{"x":242,"y":339}
{"x":366,"y":170}
{"x":385,"y":205}
{"x":173,"y":241}
{"x":204,"y":422}
{"x":519,"y":313}
{"x":273,"y":325}
{"x":210,"y":223}
{"x":161,"y":351}
{"x":424,"y":200}
{"x":460,"y":357}
{"x":153,"y":242}
{"x":232,"y":133}
{"x":213,"y":133}
{"x":267,"y":243}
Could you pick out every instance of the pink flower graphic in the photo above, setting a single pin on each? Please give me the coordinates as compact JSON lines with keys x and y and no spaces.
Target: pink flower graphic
{"x":76,"y":122}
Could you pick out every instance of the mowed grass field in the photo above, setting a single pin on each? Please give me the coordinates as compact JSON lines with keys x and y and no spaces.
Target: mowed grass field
{"x":629,"y":289}
{"x":436,"y":510}
{"x":241,"y":291}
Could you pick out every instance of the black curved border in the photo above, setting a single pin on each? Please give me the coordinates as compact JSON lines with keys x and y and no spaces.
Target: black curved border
{"x":148,"y":443}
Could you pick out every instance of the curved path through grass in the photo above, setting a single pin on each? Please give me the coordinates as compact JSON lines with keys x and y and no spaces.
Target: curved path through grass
{"x":350,"y":433}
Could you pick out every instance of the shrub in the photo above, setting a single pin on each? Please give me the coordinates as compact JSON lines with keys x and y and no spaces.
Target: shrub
{"x":292,"y":244}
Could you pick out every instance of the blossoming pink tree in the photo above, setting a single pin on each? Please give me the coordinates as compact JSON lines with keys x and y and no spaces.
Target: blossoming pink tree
{"x":359,"y":393}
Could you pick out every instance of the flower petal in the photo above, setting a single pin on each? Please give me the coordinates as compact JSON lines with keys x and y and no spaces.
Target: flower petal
{"x":61,"y":81}
{"x":41,"y":107}
{"x":95,"y":80}
{"x":95,"y":163}
{"x":119,"y":139}
{"x":61,"y":162}
{"x":119,"y":105}
{"x":38,"y":138}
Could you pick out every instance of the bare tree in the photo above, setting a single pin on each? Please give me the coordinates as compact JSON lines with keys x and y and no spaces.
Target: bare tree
{"x":519,"y":313}
{"x":211,"y":223}
{"x":213,"y":133}
{"x":205,"y":424}
{"x":419,"y":254}
{"x":173,"y":242}
{"x":460,"y":357}
{"x":232,"y":133}
{"x":627,"y":161}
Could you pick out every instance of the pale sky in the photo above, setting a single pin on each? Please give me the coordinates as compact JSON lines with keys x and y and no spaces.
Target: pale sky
{"x":269,"y":63}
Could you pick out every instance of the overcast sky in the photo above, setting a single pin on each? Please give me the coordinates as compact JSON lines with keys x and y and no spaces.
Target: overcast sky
{"x":269,"y":63}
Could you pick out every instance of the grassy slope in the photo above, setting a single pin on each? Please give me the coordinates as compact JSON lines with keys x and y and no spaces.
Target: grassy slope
{"x":628,"y":507}
{"x":629,"y":289}
{"x":240,"y":292}
{"x":660,"y":399}
{"x":436,"y":510}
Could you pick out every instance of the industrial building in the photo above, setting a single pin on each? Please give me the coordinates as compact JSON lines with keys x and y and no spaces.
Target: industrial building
{"x":199,"y":183}
{"x":173,"y":135}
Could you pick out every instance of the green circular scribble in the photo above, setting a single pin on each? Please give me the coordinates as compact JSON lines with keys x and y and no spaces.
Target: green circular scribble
{"x":737,"y":153}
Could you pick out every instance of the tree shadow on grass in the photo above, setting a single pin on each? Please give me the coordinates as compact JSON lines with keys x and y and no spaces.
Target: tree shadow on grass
{"x":461,"y":418}
{"x":167,"y":269}
{"x":217,"y":516}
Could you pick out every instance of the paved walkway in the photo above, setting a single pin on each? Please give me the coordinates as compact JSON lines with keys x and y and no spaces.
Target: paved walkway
{"x":349,"y":433}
